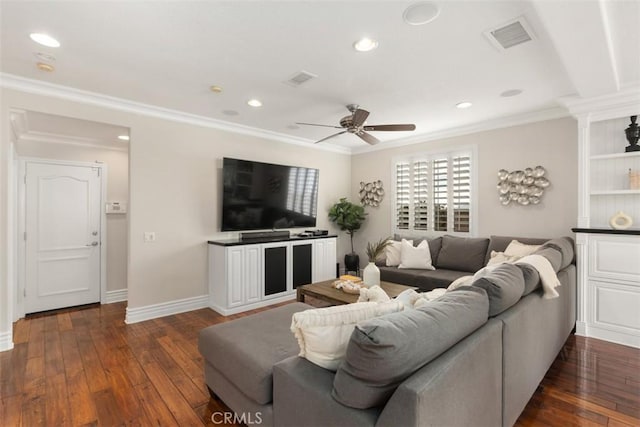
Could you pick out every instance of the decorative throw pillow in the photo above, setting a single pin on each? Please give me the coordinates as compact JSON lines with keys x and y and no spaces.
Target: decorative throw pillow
{"x":393,"y":253}
{"x":462,"y":254}
{"x":418,"y":257}
{"x":323,"y":333}
{"x":518,"y":249}
{"x":501,"y":257}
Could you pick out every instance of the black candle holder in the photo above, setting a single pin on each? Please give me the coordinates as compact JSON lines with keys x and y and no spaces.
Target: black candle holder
{"x":633,"y":134}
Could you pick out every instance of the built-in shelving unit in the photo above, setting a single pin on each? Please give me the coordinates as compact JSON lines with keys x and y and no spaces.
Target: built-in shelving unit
{"x":608,"y":267}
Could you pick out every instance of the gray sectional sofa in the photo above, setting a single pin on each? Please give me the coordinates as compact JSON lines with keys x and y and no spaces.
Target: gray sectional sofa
{"x":453,"y":257}
{"x":471,"y":358}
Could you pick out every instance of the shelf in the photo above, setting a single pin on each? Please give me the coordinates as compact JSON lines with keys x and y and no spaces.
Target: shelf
{"x":616,"y":156}
{"x":614,"y":192}
{"x":628,"y":231}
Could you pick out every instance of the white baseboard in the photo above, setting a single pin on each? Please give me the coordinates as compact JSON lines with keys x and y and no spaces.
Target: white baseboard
{"x":6,"y":340}
{"x":228,"y":311}
{"x":148,"y":312}
{"x":631,"y":340}
{"x":115,"y":296}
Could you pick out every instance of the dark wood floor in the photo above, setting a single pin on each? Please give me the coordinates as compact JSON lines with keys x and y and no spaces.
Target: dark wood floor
{"x":86,"y":367}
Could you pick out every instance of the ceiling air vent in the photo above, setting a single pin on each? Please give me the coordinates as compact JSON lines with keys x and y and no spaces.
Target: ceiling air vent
{"x":510,"y":35}
{"x":299,"y":78}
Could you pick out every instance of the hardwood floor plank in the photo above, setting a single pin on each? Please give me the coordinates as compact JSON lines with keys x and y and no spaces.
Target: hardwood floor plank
{"x":36,"y":338}
{"x":192,"y":369}
{"x":80,"y":400}
{"x":153,"y":405}
{"x":107,"y":408}
{"x":21,"y":331}
{"x":64,"y":322}
{"x":33,"y":412}
{"x":11,"y":410}
{"x":171,"y":396}
{"x":57,"y":410}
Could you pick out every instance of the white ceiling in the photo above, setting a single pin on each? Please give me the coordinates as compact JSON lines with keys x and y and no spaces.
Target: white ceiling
{"x":167,"y":54}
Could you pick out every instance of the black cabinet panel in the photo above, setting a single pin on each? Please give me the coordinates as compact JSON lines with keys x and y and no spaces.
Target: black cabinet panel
{"x":302,"y":259}
{"x":275,"y":270}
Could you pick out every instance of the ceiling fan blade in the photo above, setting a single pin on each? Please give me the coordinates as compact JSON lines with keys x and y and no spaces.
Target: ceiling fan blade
{"x":368,"y":138}
{"x":331,"y":136}
{"x":359,"y":116}
{"x":314,"y":124}
{"x":389,"y":127}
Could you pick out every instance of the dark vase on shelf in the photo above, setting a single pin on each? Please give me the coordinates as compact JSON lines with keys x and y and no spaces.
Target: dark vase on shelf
{"x":633,"y":134}
{"x":352,"y":262}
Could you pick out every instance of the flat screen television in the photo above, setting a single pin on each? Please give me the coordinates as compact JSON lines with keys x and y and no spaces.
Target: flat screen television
{"x":260,"y":196}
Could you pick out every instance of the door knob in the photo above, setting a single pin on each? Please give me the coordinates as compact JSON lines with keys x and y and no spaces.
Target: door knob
{"x":95,"y":233}
{"x":93,"y":244}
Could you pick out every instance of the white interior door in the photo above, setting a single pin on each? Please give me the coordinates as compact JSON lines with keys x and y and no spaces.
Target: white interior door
{"x":62,"y":241}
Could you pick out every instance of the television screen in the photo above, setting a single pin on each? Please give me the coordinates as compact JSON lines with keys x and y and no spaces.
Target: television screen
{"x":259,"y":196}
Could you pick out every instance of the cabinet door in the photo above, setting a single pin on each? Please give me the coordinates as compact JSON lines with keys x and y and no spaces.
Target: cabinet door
{"x":302,"y":263}
{"x":275,"y":268}
{"x":235,"y":273}
{"x":324,"y":260}
{"x":252,"y":274}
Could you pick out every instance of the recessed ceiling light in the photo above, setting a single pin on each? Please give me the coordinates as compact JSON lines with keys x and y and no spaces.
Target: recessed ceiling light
{"x":365,"y":44}
{"x":45,"y":67}
{"x":254,"y":103}
{"x":463,"y":105}
{"x":44,"y":39}
{"x":216,"y":89}
{"x":123,"y":137}
{"x":421,"y":13}
{"x":230,"y":112}
{"x":511,"y":92}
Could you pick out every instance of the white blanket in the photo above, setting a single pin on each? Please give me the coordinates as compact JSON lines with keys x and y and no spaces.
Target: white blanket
{"x":548,"y":277}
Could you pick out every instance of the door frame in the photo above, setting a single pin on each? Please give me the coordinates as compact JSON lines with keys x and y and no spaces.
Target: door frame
{"x":19,"y":309}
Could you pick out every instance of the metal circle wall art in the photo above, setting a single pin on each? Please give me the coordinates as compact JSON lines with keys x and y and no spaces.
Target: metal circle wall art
{"x":522,"y":187}
{"x":371,"y":193}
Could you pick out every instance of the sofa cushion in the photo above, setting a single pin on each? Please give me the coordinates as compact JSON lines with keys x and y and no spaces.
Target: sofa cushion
{"x":504,"y":286}
{"x":384,"y":351}
{"x":417,"y":257}
{"x":462,"y":254}
{"x":247,"y":348}
{"x":500,"y":243}
{"x":426,"y":280}
{"x":434,"y":244}
{"x":552,"y":254}
{"x":564,"y":245}
{"x":323,"y":333}
{"x":531,"y":278}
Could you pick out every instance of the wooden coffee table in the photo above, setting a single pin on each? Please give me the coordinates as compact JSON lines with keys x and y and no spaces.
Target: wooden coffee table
{"x":325,"y":292}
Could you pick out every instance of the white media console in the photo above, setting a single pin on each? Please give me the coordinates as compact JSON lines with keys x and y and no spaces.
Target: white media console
{"x":248,"y":274}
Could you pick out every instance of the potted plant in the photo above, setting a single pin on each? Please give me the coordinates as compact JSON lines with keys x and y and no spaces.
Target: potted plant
{"x":349,"y":217}
{"x":371,"y":273}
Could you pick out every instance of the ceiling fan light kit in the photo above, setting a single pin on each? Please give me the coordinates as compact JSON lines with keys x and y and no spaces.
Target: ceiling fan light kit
{"x":354,"y":123}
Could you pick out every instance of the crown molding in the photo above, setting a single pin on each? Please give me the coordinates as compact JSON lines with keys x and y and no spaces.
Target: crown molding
{"x":501,"y":122}
{"x":11,"y":81}
{"x":50,"y":138}
{"x":624,"y":102}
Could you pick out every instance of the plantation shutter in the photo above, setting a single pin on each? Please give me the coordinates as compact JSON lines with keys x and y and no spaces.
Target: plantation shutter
{"x":440,"y":194}
{"x":421,"y":195}
{"x":403,"y":191}
{"x":461,"y":192}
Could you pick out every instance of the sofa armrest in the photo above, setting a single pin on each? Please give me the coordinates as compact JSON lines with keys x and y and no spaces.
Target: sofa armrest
{"x":462,"y":387}
{"x":302,"y":397}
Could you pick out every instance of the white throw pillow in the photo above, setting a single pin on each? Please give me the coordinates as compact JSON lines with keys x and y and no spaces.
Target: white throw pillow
{"x":501,"y":257}
{"x":516,"y":248}
{"x":323,"y":333}
{"x":393,"y":253}
{"x":418,"y":257}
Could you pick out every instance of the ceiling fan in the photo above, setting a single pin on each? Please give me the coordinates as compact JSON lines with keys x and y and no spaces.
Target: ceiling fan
{"x":354,"y":123}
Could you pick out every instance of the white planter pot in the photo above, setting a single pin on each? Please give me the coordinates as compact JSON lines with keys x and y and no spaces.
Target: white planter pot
{"x":371,"y":275}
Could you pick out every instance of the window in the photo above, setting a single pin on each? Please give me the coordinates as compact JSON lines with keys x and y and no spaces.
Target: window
{"x":433,"y":193}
